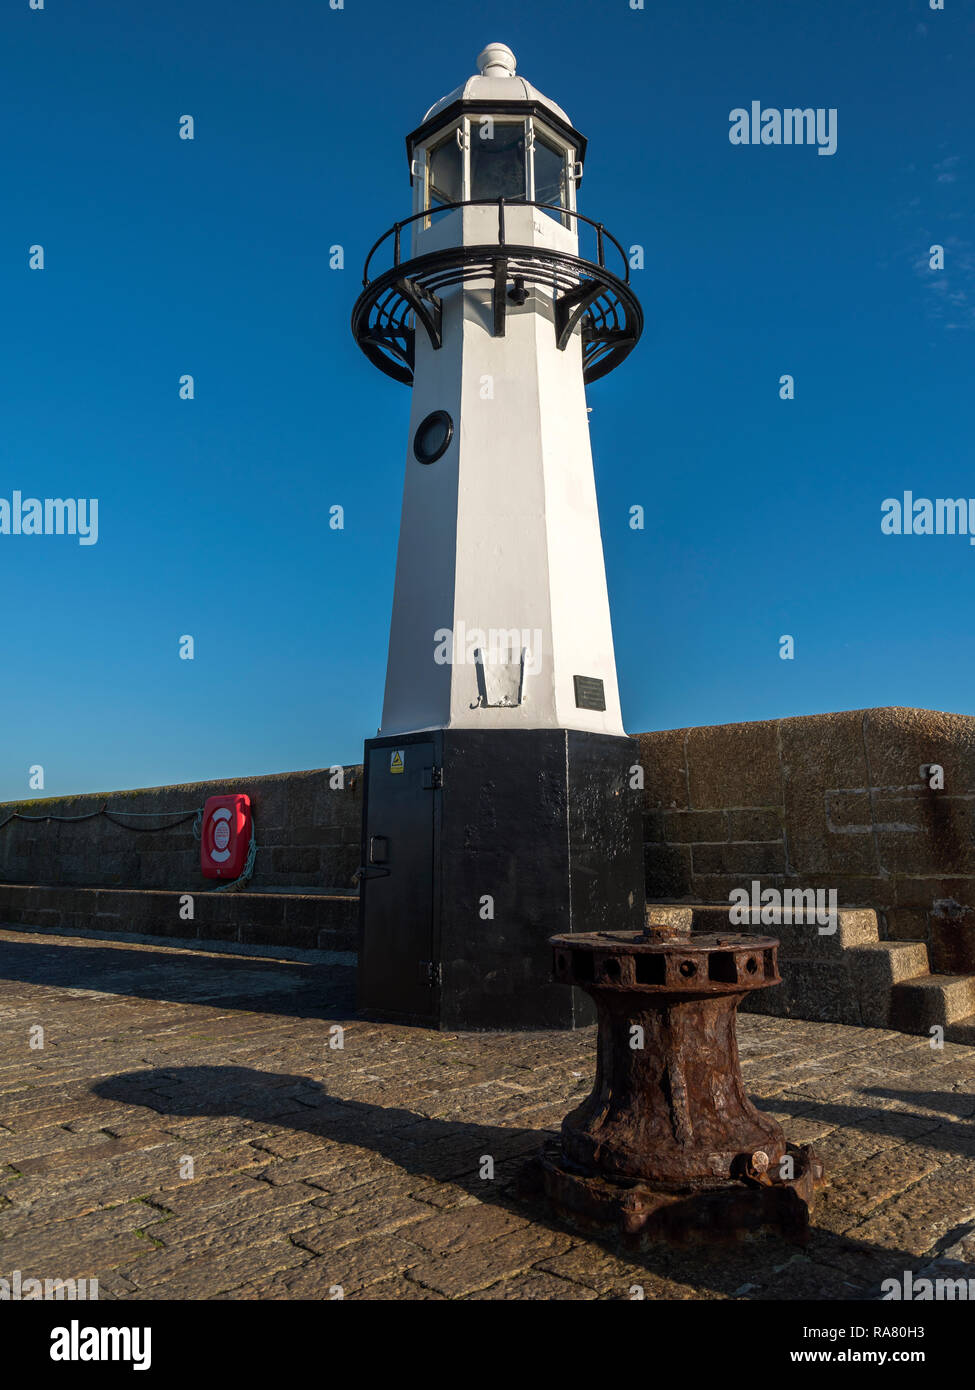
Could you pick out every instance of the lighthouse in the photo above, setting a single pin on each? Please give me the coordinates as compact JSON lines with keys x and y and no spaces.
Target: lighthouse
{"x":502,"y":795}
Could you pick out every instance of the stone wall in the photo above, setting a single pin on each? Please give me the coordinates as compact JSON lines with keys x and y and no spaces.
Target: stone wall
{"x":832,"y":801}
{"x":302,"y":921}
{"x":308,"y":835}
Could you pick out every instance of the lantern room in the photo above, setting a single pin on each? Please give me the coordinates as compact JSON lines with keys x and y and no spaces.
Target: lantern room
{"x":496,"y":168}
{"x":496,"y":137}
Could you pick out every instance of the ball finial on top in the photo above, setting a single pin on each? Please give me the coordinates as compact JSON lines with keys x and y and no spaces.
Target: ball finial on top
{"x":496,"y":60}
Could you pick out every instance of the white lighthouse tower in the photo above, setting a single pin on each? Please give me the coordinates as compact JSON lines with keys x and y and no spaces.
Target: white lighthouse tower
{"x":498,"y":807}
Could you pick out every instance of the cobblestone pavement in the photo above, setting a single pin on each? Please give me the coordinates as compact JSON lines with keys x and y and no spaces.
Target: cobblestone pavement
{"x":315,"y":1167}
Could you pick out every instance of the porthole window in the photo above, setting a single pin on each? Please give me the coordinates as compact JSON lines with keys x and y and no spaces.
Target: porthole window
{"x":433,"y":436}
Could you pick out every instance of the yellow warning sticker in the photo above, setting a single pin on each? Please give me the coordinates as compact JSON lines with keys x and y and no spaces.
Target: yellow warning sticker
{"x":396,"y":760}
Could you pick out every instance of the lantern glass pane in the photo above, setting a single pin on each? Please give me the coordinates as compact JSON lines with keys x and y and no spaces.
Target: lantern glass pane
{"x":498,"y":160}
{"x":550,"y":186}
{"x":446,"y":172}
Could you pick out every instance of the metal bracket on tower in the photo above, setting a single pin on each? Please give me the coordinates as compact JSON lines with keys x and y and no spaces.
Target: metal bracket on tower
{"x":570,"y":307}
{"x":500,"y":295}
{"x":427,"y":307}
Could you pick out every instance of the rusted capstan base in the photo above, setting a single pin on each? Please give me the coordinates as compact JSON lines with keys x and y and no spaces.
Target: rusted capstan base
{"x":668,"y":1146}
{"x":639,"y":1213}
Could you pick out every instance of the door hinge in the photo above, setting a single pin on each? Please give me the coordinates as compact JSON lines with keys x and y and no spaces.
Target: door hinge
{"x":432,"y":778}
{"x":429,"y":972}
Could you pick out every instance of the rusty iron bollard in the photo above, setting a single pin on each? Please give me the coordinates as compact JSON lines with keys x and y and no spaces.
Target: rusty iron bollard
{"x":668,"y":1145}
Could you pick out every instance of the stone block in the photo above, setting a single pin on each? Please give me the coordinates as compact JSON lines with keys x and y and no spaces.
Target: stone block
{"x":661,"y":755}
{"x":214,"y":911}
{"x":759,"y":860}
{"x":821,"y":755}
{"x":906,"y":924}
{"x":951,"y":938}
{"x":276,"y":933}
{"x":671,"y":915}
{"x":694,"y":827}
{"x":849,"y":812}
{"x":927,"y":890}
{"x":213,"y":927}
{"x":296,"y":860}
{"x":755,"y":823}
{"x":938,"y":838}
{"x":816,"y":848}
{"x":899,"y":741}
{"x":69,"y":868}
{"x":734,"y":765}
{"x":270,"y":801}
{"x":336,"y":806}
{"x":824,"y":991}
{"x":859,"y":888}
{"x":804,"y":939}
{"x":668,"y":869}
{"x":876,"y":968}
{"x":934,"y":999}
{"x":339,"y":868}
{"x":172,"y":870}
{"x":717,"y":888}
{"x":118,"y":867}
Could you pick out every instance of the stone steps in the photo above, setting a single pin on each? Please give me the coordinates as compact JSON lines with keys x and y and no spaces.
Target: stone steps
{"x":855,"y":926}
{"x":847,"y":976}
{"x":307,"y":921}
{"x":932,"y":999}
{"x":963,"y":1031}
{"x":878,"y":967}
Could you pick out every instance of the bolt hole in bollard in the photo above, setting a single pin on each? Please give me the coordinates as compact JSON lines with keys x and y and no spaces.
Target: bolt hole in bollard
{"x":668,"y":1147}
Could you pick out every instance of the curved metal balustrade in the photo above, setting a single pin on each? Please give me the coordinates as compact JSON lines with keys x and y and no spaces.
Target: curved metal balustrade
{"x":585,"y":293}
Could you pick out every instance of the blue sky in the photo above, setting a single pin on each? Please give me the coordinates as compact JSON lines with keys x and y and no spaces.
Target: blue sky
{"x":165,"y":256}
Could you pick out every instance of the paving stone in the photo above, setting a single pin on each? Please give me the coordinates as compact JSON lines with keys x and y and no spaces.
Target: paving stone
{"x":396,"y":1289}
{"x":536,"y":1285}
{"x":159,"y":1275}
{"x":443,"y":1195}
{"x":470,"y":1267}
{"x":354,"y":1268}
{"x":77,"y":1253}
{"x":188,"y":1222}
{"x":597,"y":1268}
{"x":914,"y":1221}
{"x":617,"y":1278}
{"x":860,"y":1187}
{"x":377,"y":1216}
{"x":451,"y":1232}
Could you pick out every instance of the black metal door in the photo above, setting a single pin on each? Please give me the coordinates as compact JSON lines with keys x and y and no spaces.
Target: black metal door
{"x":396,"y":966}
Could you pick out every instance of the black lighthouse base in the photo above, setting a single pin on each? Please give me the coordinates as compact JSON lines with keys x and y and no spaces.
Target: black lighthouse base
{"x":477,"y":847}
